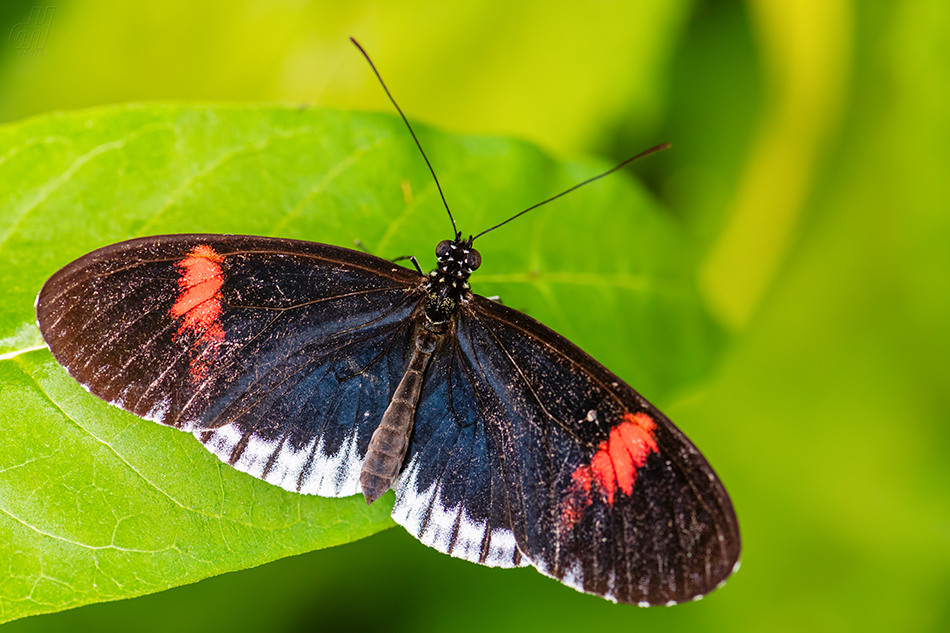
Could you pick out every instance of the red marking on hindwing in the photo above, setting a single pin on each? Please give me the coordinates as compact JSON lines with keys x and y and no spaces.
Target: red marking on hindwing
{"x":199,"y":303}
{"x":614,"y":466}
{"x":577,"y":499}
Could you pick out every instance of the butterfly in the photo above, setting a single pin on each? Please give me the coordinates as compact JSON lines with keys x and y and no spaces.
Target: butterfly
{"x":334,"y":372}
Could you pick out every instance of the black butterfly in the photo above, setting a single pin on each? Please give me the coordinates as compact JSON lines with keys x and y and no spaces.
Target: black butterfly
{"x":332,"y":372}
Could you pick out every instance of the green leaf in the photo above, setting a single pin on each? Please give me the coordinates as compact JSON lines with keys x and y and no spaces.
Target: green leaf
{"x":96,"y":504}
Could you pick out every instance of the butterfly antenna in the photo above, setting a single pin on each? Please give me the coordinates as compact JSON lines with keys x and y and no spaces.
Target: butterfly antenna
{"x":652,"y":150}
{"x":414,"y":137}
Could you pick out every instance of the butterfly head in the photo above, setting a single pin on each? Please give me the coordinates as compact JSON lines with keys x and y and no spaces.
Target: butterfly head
{"x":457,"y":259}
{"x":448,"y":283}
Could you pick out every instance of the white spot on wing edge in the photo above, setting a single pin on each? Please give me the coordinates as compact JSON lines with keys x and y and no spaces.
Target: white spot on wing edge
{"x":254,"y":458}
{"x":221,"y":441}
{"x":501,"y":550}
{"x":471,"y":533}
{"x":336,"y":475}
{"x":288,"y":464}
{"x":158,"y":412}
{"x":411,"y":503}
{"x":573,"y":576}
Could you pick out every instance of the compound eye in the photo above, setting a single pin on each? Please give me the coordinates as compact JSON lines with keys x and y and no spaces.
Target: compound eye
{"x":443,"y":249}
{"x":473,"y":260}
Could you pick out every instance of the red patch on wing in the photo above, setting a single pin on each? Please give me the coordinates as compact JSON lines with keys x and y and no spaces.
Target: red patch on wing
{"x":200,"y":304}
{"x":577,"y":499}
{"x":614,"y":466}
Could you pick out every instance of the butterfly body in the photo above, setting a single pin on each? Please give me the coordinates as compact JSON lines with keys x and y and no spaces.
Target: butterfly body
{"x":390,"y":441}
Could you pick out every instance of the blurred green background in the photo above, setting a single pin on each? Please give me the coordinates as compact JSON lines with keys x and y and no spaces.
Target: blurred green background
{"x":811,"y":149}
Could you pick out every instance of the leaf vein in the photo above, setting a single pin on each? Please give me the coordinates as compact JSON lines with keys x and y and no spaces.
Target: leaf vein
{"x":45,"y":192}
{"x":131,"y":467}
{"x":346,"y":163}
{"x":258,"y":145}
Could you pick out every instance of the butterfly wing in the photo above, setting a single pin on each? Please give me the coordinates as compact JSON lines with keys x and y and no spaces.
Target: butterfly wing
{"x":279,"y":355}
{"x":576,"y":473}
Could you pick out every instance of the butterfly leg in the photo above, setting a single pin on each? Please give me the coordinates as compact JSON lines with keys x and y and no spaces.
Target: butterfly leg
{"x":414,"y":261}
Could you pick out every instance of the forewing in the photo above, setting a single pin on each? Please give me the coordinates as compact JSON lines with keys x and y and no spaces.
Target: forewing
{"x":602,"y":491}
{"x":279,"y":355}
